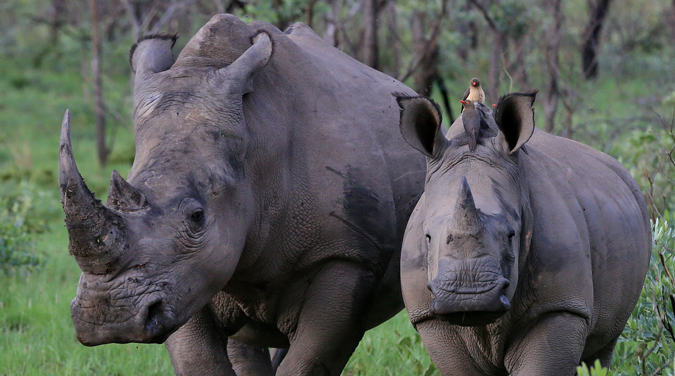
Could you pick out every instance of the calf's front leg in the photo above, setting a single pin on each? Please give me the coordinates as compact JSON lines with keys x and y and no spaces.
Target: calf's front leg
{"x":553,"y":345}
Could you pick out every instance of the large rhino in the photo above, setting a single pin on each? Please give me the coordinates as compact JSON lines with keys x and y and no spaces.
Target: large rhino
{"x":525,"y":256}
{"x":266,"y":203}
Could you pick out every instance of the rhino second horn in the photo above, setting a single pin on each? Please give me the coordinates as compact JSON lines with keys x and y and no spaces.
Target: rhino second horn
{"x":123,"y":197}
{"x":96,"y":233}
{"x":466,"y":216}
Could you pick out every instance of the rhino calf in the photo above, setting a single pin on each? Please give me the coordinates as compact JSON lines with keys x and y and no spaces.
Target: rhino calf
{"x":525,"y":256}
{"x":265,"y":207}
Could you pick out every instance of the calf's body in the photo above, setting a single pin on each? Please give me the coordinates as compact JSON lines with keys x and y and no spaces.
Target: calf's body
{"x":524,"y":257}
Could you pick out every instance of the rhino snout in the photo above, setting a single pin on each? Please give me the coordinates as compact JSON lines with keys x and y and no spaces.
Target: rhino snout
{"x":98,"y":322}
{"x":479,"y":302}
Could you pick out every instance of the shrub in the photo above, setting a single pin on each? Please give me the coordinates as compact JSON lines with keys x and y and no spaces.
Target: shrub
{"x":24,"y":212}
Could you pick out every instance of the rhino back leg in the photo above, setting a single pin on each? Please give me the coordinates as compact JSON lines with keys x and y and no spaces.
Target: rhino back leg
{"x":249,"y":360}
{"x":331,"y":323}
{"x":552,"y":345}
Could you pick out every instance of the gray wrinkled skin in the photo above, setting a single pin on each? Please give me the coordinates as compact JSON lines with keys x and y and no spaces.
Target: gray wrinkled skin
{"x":265,"y":207}
{"x":524,"y":257}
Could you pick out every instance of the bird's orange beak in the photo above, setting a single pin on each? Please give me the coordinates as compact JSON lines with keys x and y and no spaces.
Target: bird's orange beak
{"x":462,"y":102}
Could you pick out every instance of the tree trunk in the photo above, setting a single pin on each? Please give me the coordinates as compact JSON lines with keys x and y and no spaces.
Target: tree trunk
{"x":395,"y":39}
{"x":310,"y":12}
{"x":98,"y":90}
{"x":330,"y":35}
{"x":469,"y":33}
{"x":427,"y":52}
{"x":499,"y":49}
{"x":370,"y":47}
{"x":496,"y":62}
{"x":553,"y":63}
{"x":283,"y":22}
{"x":591,"y":42}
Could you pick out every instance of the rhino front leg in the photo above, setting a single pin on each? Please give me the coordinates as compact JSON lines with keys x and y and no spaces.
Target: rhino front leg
{"x":329,"y":326}
{"x":553,"y":345}
{"x":197,"y":348}
{"x":449,"y":352}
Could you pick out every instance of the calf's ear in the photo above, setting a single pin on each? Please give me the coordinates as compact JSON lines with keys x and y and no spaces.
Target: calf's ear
{"x":515,"y":118}
{"x":421,"y":124}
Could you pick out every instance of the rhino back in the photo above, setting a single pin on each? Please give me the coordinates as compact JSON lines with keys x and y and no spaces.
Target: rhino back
{"x":591,"y":237}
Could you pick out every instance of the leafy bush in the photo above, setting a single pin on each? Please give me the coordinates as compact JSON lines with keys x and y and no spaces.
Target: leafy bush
{"x":24,"y":212}
{"x":647,"y":344}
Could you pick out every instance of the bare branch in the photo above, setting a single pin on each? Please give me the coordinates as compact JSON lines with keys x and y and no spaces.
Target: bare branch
{"x":507,"y":73}
{"x":436,"y":29}
{"x":486,"y":14}
{"x":168,"y":14}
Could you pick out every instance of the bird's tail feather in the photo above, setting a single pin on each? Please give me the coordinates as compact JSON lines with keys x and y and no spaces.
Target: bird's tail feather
{"x":472,"y":143}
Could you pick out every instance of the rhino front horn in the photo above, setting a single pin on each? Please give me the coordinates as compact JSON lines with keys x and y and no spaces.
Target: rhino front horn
{"x":466,"y":215}
{"x":96,"y":233}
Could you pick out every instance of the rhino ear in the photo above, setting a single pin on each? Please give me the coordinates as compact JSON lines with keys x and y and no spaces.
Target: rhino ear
{"x":152,"y":54}
{"x":250,"y":62}
{"x":421,"y":124}
{"x":515,"y":118}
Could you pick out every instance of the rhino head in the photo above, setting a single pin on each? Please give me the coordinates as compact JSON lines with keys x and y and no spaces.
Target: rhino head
{"x":475,"y":209}
{"x":171,"y":237}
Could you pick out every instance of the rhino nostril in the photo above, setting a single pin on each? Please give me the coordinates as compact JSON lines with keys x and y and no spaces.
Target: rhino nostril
{"x":152,"y":324}
{"x":428,"y":238}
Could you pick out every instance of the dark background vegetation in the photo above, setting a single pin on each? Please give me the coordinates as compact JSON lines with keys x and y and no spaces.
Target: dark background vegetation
{"x":604,"y":69}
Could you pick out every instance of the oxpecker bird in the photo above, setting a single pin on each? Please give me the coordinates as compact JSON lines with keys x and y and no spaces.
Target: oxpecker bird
{"x":475,"y":92}
{"x":471,"y":121}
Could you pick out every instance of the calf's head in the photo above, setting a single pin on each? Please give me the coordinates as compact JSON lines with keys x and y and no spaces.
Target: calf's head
{"x":475,"y":208}
{"x":171,"y":237}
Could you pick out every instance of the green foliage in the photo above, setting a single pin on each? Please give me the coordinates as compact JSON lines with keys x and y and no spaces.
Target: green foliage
{"x":390,"y":348}
{"x":24,"y":212}
{"x":647,"y":344}
{"x":596,"y":370}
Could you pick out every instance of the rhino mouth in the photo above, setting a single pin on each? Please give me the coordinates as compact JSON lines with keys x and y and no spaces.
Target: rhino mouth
{"x":151,"y":324}
{"x":471,"y":304}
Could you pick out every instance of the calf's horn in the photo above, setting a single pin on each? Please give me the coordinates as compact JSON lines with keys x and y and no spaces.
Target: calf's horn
{"x":97,"y":234}
{"x":466,"y":216}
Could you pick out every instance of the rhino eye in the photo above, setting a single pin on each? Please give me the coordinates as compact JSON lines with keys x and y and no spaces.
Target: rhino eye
{"x":197,"y":215}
